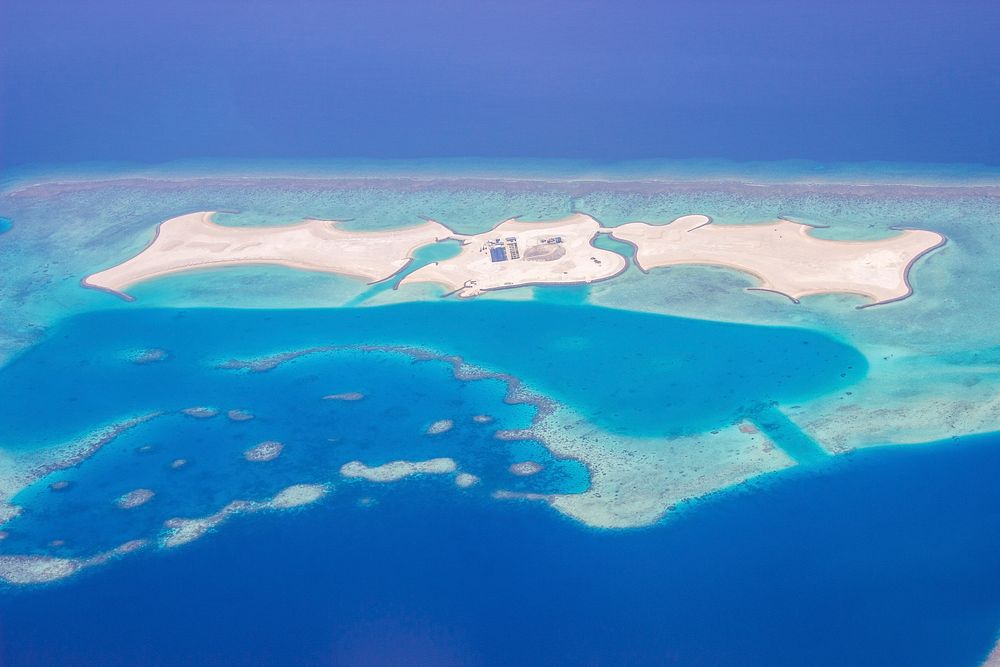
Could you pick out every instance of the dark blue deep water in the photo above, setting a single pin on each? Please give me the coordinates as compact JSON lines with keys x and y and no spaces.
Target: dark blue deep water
{"x":847,"y":81}
{"x":885,"y":557}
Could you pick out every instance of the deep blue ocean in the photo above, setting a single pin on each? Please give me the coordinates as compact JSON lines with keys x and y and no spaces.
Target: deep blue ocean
{"x":847,"y":81}
{"x":887,"y":556}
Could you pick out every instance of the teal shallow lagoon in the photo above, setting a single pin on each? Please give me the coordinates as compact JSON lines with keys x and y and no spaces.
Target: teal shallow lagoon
{"x":630,"y":373}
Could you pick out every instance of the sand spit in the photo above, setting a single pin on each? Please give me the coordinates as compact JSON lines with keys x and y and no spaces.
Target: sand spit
{"x":397,"y":470}
{"x":181,"y":531}
{"x":265,"y":451}
{"x":516,"y":253}
{"x":440,"y":426}
{"x":178,"y":463}
{"x":525,"y":468}
{"x":346,"y":396}
{"x":134,"y":498}
{"x":239,"y":415}
{"x":784,"y":255}
{"x":464,"y":480}
{"x":193,"y":241}
{"x":32,"y":569}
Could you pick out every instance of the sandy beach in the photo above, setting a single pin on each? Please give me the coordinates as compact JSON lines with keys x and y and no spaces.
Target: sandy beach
{"x":784,"y":255}
{"x":194,"y":241}
{"x":516,"y":253}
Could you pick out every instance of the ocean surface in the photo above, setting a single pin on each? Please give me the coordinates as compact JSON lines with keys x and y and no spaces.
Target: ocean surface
{"x":886,"y":556}
{"x":630,"y":373}
{"x":846,"y":81}
{"x":860,"y":116}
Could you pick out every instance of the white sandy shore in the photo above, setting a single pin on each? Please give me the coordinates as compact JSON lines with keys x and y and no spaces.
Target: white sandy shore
{"x":572,"y":260}
{"x":784,"y":255}
{"x":193,"y":241}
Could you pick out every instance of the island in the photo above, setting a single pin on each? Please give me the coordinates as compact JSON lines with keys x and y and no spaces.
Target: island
{"x":784,"y":256}
{"x":194,"y":241}
{"x":516,"y":253}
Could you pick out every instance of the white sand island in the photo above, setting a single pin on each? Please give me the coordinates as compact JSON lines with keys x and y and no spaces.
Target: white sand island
{"x":784,"y":255}
{"x":194,"y":241}
{"x":516,"y":253}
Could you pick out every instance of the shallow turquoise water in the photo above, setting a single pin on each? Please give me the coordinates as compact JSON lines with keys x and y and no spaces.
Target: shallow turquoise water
{"x":401,"y":399}
{"x":629,"y":373}
{"x":428,"y":254}
{"x":777,"y":570}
